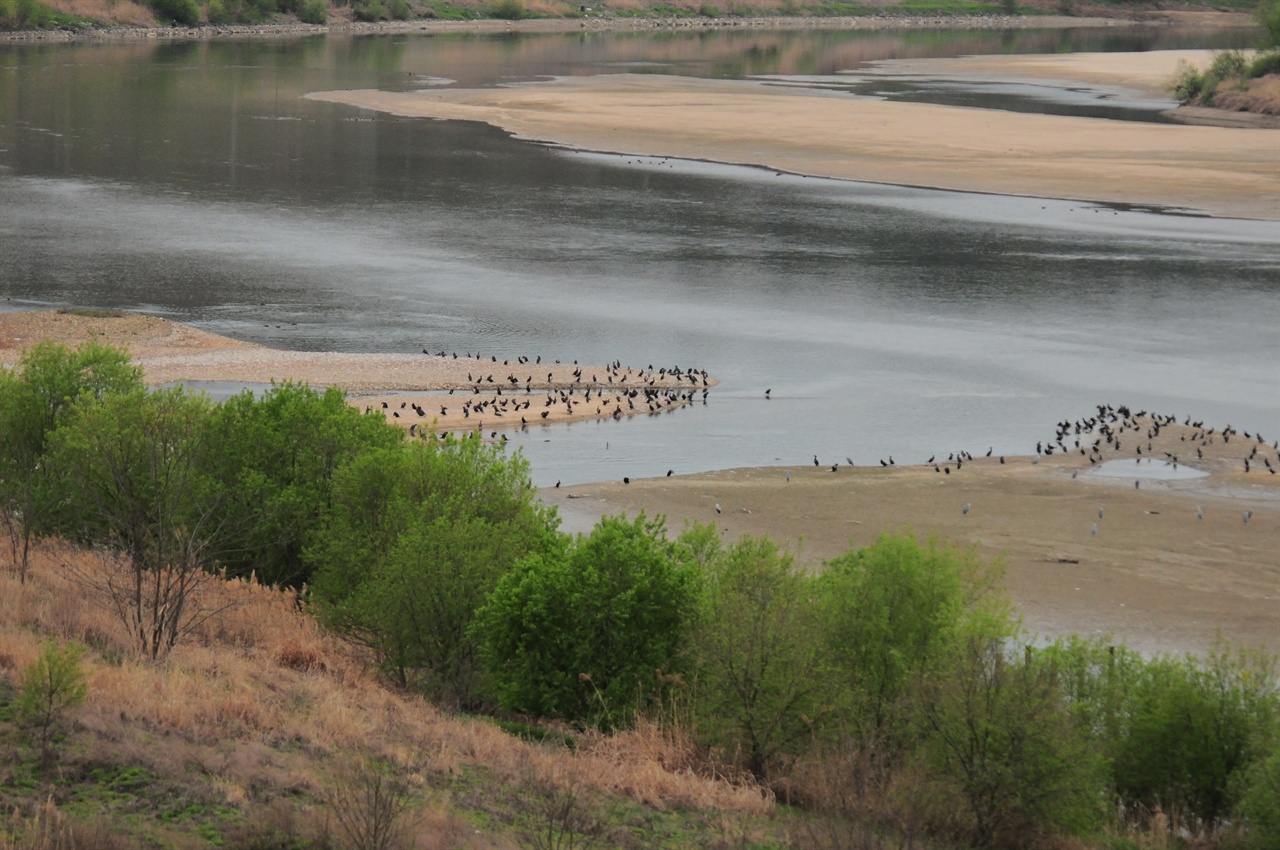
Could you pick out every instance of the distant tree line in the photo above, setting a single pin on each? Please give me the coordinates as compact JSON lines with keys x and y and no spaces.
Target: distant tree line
{"x":891,"y":693}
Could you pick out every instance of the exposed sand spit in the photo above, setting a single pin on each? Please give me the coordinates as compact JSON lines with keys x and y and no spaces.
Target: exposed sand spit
{"x":1221,"y":171}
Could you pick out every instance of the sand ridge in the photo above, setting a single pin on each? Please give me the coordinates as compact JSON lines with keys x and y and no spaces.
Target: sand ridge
{"x":1214,"y":170}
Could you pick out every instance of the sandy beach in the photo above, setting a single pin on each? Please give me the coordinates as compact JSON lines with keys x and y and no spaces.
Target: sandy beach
{"x":1210,"y":170}
{"x":469,"y":391}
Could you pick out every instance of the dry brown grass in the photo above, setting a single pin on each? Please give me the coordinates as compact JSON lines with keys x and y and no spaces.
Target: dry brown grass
{"x":263,"y":705}
{"x":1261,"y":96}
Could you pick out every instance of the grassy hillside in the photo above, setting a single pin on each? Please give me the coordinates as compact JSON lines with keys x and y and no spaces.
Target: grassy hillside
{"x":261,"y":732}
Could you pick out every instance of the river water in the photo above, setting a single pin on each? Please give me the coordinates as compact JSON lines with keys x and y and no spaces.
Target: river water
{"x":191,"y":180}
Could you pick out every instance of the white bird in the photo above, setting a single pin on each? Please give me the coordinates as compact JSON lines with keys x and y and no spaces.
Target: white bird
{"x":1199,"y":512}
{"x":965,"y":509}
{"x":717,"y":507}
{"x":1101,"y":511}
{"x":1094,"y":530}
{"x":1248,"y":515}
{"x":788,"y":476}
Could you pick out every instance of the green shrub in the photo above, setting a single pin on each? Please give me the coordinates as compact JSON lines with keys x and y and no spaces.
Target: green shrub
{"x":1259,"y":806}
{"x":217,"y":13}
{"x":594,"y":629}
{"x":399,"y":9}
{"x":51,"y":686}
{"x":314,"y":12}
{"x":761,"y":685}
{"x":417,"y":537}
{"x":891,"y":614}
{"x":509,"y":10}
{"x":1188,"y":82}
{"x":370,"y":12}
{"x":1192,"y":732}
{"x":1227,"y":65}
{"x":1267,"y":62}
{"x":999,"y":743}
{"x":1269,"y":18}
{"x":180,"y":12}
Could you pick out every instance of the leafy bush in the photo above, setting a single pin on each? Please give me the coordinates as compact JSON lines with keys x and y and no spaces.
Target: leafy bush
{"x":1188,"y":82}
{"x":45,"y":392}
{"x":891,"y":614}
{"x":1269,"y":18}
{"x":585,"y":632}
{"x":417,"y":537}
{"x":180,"y":12}
{"x":399,"y":9}
{"x":510,"y":10}
{"x":1227,"y":65}
{"x":218,"y":13}
{"x":1192,"y":732}
{"x":314,"y":12}
{"x":761,"y":685}
{"x":997,"y":737}
{"x":370,"y":12}
{"x":276,"y":460}
{"x":1260,"y":800}
{"x":1267,"y":62}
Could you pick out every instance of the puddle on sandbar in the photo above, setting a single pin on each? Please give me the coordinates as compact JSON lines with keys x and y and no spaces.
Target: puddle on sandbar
{"x":1148,"y":468}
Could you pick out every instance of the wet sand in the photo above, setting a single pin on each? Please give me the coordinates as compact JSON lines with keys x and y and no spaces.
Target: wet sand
{"x":1154,"y":576}
{"x":1212,"y":170}
{"x":170,"y":352}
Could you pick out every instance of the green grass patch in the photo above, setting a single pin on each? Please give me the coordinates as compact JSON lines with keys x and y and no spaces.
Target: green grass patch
{"x":92,"y":312}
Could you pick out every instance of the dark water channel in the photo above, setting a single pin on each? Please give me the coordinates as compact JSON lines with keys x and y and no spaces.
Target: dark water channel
{"x":192,"y":181}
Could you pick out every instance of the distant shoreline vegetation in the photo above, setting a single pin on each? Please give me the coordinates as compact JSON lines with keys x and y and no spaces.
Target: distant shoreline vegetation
{"x":73,"y":16}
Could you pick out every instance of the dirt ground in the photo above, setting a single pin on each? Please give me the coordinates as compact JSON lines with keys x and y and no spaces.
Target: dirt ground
{"x":1152,"y":576}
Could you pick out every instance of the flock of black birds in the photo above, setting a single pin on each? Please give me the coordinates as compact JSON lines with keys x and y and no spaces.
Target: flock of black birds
{"x":1094,"y":436}
{"x":623,"y":392}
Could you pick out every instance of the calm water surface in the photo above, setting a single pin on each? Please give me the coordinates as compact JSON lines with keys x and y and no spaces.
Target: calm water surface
{"x":192,"y":181}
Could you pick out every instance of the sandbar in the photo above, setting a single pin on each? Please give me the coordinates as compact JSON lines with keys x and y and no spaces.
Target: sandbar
{"x":426,"y":391}
{"x":1153,"y":576}
{"x":804,"y":130}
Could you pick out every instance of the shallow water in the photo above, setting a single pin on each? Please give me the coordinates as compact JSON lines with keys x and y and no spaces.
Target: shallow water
{"x":1147,"y":469}
{"x":192,"y":181}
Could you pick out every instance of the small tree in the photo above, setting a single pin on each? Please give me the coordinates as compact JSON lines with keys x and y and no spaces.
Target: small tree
{"x":370,"y":803}
{"x":37,"y":398}
{"x":417,"y":537}
{"x":276,"y":458}
{"x":891,"y":614}
{"x":586,"y":631}
{"x":996,"y":734}
{"x":51,"y":686}
{"x":761,"y":683}
{"x":137,"y":493}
